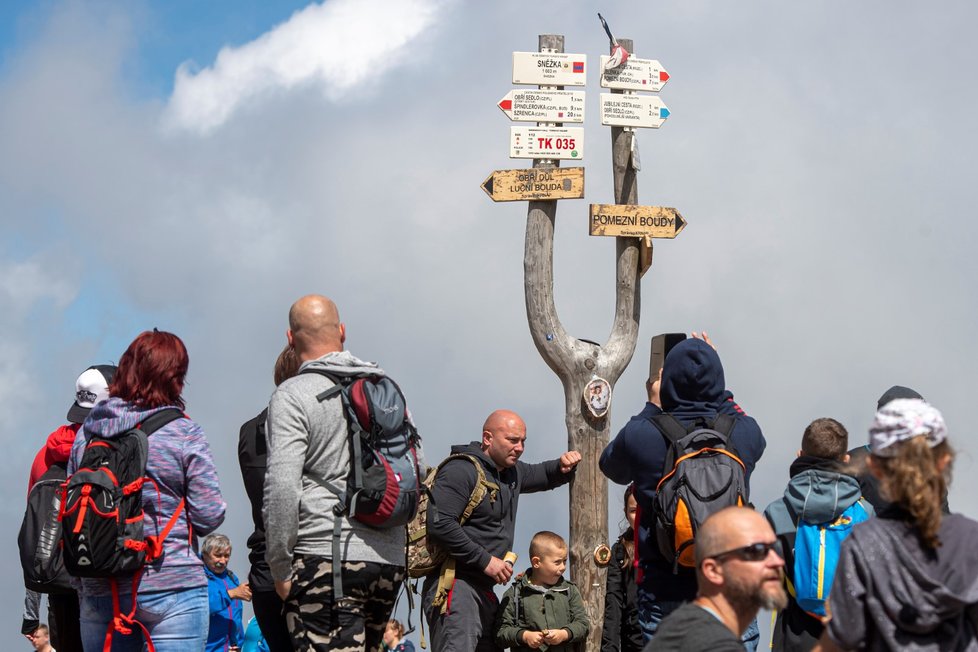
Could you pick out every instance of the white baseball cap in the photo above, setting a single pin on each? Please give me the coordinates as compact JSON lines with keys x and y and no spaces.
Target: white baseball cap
{"x":91,"y":387}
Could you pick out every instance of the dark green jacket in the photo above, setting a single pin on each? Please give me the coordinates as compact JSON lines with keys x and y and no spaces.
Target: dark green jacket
{"x":535,"y":608}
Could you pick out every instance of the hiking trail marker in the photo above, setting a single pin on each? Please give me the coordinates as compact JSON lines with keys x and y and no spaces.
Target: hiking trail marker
{"x":543,"y":106}
{"x":536,"y":184}
{"x":635,"y":75}
{"x":549,"y":68}
{"x":635,"y":221}
{"x":546,"y":142}
{"x":620,"y":110}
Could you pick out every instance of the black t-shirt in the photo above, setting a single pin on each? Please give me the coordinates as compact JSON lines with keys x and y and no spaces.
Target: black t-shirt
{"x":691,"y":627}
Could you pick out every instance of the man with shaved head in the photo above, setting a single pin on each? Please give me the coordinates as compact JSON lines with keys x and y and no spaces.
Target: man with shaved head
{"x":308,"y":460}
{"x":459,"y":602}
{"x":738,"y":572}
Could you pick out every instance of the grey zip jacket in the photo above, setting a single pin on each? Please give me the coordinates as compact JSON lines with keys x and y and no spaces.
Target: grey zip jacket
{"x":308,"y":447}
{"x":891,"y":593}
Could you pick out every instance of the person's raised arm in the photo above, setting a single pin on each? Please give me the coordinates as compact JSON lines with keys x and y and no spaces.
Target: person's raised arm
{"x":548,"y":475}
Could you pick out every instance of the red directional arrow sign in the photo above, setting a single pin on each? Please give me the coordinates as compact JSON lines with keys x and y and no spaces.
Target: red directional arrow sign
{"x":544,"y":106}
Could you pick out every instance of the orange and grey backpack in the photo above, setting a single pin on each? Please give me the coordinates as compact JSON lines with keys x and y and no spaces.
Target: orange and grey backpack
{"x":702,"y":474}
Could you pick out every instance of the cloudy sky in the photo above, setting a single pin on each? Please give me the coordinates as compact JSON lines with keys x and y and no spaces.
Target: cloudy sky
{"x":198,"y":166}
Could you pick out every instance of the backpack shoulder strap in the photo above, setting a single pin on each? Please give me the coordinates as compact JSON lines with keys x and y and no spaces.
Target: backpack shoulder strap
{"x":157,"y":420}
{"x":782,"y":518}
{"x":724,"y":424}
{"x":670,"y":427}
{"x":483,"y":485}
{"x":339,"y":382}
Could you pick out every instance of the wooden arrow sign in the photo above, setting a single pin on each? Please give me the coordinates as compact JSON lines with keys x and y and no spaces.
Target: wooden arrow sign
{"x":635,"y":221}
{"x":536,"y":184}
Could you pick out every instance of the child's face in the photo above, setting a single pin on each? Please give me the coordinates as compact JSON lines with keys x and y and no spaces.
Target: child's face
{"x":630,"y":508}
{"x":390,"y":635}
{"x":548,"y":568}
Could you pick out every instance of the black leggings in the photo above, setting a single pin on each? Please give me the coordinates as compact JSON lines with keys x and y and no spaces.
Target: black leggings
{"x":268,"y":611}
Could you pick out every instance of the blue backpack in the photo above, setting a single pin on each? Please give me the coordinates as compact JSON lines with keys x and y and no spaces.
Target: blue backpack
{"x":817,"y":547}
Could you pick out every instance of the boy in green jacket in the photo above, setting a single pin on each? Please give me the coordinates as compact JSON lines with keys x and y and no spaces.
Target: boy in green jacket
{"x":542,"y":610}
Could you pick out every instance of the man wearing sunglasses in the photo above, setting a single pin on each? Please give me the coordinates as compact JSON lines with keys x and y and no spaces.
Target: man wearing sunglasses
{"x":738,"y":572}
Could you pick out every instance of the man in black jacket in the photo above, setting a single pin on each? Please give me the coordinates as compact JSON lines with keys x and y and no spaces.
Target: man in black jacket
{"x":463,"y":618}
{"x":253,"y":459}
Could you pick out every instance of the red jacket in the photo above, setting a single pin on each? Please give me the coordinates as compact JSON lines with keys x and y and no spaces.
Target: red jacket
{"x":57,"y":449}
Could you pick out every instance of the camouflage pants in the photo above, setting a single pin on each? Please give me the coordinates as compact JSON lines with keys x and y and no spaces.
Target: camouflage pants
{"x":354,"y":623}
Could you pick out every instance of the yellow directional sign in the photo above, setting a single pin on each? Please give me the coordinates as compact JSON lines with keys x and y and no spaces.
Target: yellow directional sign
{"x":635,"y":221}
{"x":537,"y":184}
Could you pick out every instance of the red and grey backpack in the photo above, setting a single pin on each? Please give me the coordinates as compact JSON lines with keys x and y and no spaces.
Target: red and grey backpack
{"x":102,"y":512}
{"x":383,"y":484}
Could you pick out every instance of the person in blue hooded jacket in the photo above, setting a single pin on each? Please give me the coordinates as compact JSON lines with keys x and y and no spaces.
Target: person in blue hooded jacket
{"x":692,"y":387}
{"x":225,"y":630}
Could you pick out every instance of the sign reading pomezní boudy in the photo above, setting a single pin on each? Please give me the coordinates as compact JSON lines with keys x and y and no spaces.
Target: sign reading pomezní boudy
{"x":635,"y":221}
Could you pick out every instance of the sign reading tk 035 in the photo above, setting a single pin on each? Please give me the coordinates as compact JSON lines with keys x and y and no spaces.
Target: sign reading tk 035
{"x":546,"y":142}
{"x":535,"y":184}
{"x":549,"y":68}
{"x":635,"y":221}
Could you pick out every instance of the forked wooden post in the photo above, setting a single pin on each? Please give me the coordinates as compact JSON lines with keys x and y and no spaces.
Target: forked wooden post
{"x":575,"y":362}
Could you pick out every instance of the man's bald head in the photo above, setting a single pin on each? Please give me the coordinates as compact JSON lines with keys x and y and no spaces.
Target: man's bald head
{"x":729,"y":528}
{"x":503,"y":435}
{"x":314,"y":327}
{"x":500,"y":419}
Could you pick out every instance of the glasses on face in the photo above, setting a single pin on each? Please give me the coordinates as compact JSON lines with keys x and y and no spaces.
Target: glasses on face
{"x":753,"y":552}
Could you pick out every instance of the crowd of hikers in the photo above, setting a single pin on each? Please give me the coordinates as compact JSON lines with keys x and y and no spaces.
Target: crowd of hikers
{"x":861,"y":552}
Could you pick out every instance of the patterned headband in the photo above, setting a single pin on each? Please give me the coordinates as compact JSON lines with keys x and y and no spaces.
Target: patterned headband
{"x":903,"y":419}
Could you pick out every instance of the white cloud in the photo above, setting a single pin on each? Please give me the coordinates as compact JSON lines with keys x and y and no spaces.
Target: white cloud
{"x":335,"y":45}
{"x":24,"y":283}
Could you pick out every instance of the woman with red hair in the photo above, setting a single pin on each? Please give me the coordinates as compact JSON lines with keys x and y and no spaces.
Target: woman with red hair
{"x":171,"y":600}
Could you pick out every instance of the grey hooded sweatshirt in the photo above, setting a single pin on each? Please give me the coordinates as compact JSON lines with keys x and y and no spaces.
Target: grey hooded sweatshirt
{"x":891,"y":593}
{"x":308,"y":446}
{"x":817,"y":493}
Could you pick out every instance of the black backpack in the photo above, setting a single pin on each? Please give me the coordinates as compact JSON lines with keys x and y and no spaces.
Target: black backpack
{"x":102,"y":504}
{"x":383,"y":485}
{"x":40,"y":535}
{"x":702,"y":474}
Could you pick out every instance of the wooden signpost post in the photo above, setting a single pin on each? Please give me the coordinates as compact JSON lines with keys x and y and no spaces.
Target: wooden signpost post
{"x":588,"y":371}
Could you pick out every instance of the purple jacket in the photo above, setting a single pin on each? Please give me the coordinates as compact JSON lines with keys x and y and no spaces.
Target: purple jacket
{"x":180,"y":463}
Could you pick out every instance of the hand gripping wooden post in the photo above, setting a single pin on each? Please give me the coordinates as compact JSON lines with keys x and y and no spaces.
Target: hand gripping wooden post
{"x":576,"y":362}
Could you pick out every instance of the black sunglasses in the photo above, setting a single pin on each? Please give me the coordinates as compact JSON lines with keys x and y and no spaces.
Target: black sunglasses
{"x":753,"y":552}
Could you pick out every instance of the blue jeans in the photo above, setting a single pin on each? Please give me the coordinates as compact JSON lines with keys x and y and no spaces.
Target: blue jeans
{"x":176,"y":621}
{"x":652,"y":611}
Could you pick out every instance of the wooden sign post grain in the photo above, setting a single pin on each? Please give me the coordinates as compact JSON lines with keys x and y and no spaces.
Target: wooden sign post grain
{"x":576,"y":361}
